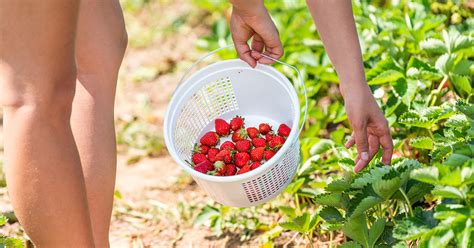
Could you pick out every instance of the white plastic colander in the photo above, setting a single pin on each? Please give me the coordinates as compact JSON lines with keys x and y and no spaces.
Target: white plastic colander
{"x":225,"y":89}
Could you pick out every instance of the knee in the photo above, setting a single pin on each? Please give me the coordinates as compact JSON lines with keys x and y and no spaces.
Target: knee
{"x":47,"y":96}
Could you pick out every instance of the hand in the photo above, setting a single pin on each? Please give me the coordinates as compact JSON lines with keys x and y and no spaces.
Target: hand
{"x":257,"y":24}
{"x":369,"y":124}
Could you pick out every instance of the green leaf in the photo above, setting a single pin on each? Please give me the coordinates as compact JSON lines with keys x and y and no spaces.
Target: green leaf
{"x":456,"y":160}
{"x":340,"y":184}
{"x":441,"y":238}
{"x":463,"y":231}
{"x":448,"y":192}
{"x":458,"y":121}
{"x":375,"y":231}
{"x":388,"y":185}
{"x":295,"y":186}
{"x":322,"y":146}
{"x":292,"y":226}
{"x":337,"y":200}
{"x":207,"y":215}
{"x":331,"y":215}
{"x":445,"y":63}
{"x":289,"y":211}
{"x":3,"y":220}
{"x":364,"y":205}
{"x":303,"y":221}
{"x":356,"y":229}
{"x":410,"y":229}
{"x":350,"y":244}
{"x":427,"y":175}
{"x":386,"y":77}
{"x":433,"y":46}
{"x":422,"y":143}
{"x":461,"y":83}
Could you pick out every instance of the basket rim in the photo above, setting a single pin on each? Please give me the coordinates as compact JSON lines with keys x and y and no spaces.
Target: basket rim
{"x":240,"y":65}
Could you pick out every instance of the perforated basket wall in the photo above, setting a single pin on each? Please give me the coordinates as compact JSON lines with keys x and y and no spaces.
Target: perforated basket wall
{"x":208,"y":103}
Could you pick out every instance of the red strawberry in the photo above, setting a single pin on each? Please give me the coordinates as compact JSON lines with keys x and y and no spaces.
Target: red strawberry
{"x":259,"y":142}
{"x":230,"y":170}
{"x":243,"y":145}
{"x":253,"y":132}
{"x":225,"y":156}
{"x":228,"y":145}
{"x":268,"y":154}
{"x":211,"y":155}
{"x":269,"y":136}
{"x":244,"y":169}
{"x":222,"y":127}
{"x":204,"y":167}
{"x":241,"y":134}
{"x":241,"y":159}
{"x":264,"y":128}
{"x":199,"y":158}
{"x":210,"y":139}
{"x":276,"y":142}
{"x":284,"y":130}
{"x":201,"y":149}
{"x":257,"y":154}
{"x":255,"y":165}
{"x":237,"y":123}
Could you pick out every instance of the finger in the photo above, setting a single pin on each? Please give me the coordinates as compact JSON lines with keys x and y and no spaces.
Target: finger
{"x":275,"y":53}
{"x":350,"y":142}
{"x":373,"y":149}
{"x":257,"y":47}
{"x":244,"y":52}
{"x":360,"y":133}
{"x":387,"y":148}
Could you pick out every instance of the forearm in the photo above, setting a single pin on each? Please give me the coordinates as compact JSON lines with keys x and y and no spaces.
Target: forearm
{"x":336,"y":26}
{"x":248,"y":7}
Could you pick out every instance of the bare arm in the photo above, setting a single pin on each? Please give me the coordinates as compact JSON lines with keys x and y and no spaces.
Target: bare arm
{"x":336,"y":26}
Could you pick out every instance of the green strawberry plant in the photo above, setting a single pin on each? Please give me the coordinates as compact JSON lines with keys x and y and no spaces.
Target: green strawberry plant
{"x":418,"y":56}
{"x":8,"y":242}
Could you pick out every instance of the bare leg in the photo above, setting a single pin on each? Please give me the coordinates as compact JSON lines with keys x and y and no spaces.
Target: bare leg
{"x":37,"y":84}
{"x":101,"y":42}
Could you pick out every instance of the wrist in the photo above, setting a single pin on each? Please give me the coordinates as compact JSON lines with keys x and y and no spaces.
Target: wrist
{"x":358,"y":87}
{"x":252,"y":8}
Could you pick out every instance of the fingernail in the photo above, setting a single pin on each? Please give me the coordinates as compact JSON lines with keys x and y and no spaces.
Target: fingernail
{"x":364,"y":156}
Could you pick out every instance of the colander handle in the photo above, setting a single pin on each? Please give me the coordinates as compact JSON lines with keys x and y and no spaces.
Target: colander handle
{"x":263,"y":55}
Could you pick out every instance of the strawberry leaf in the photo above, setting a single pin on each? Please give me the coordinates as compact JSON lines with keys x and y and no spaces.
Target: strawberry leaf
{"x":422,"y":143}
{"x":356,"y":229}
{"x":386,"y":77}
{"x":331,"y":215}
{"x":337,"y":200}
{"x":427,"y":175}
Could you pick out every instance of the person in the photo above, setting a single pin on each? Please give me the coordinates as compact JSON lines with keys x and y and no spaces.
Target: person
{"x":59,"y":62}
{"x":335,"y":23}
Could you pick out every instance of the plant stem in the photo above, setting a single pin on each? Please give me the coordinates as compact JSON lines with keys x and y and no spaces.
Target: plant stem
{"x":407,"y":201}
{"x":297,"y":204}
{"x":309,"y":240}
{"x":438,"y":91}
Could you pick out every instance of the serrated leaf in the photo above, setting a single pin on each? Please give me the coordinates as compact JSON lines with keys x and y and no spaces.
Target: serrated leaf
{"x":448,"y":192}
{"x":386,"y":187}
{"x":291,"y":226}
{"x":410,"y":229}
{"x":350,"y":244}
{"x":445,"y":63}
{"x":422,"y":143}
{"x":364,"y":205}
{"x":331,"y":215}
{"x":440,"y":238}
{"x":458,"y":121}
{"x":386,"y":77}
{"x":433,"y":46}
{"x":461,"y":84}
{"x":337,"y":200}
{"x":427,"y":175}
